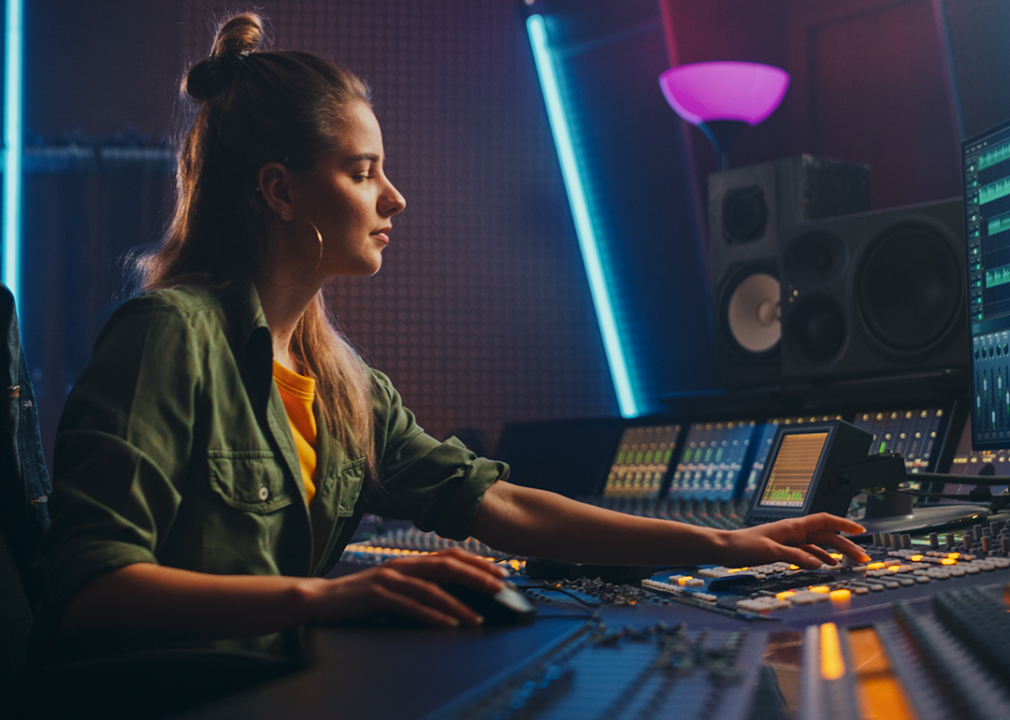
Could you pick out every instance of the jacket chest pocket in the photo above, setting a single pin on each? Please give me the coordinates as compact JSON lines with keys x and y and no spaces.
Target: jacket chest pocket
{"x":250,"y":480}
{"x":349,"y":481}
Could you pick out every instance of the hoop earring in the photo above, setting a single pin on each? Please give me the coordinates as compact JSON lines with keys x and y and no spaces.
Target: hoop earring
{"x":319,"y":237}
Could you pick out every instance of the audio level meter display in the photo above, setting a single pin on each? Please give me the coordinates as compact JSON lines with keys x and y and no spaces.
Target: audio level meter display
{"x":793,"y":470}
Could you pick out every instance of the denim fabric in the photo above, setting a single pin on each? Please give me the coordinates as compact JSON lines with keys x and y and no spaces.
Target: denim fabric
{"x":24,"y":481}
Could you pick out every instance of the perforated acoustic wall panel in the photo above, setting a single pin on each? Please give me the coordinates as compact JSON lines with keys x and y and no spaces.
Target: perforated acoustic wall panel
{"x":481,"y":314}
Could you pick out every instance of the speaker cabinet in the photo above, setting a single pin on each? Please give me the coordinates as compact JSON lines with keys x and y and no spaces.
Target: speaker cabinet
{"x":746,"y":208}
{"x":874,"y":294}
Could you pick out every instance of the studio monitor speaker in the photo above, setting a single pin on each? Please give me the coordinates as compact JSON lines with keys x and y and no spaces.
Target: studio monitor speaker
{"x":874,"y":294}
{"x":746,"y":208}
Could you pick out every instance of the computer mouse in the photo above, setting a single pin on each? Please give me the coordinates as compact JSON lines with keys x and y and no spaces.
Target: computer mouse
{"x":506,"y":607}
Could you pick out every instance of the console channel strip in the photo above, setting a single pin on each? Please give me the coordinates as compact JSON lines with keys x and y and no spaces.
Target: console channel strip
{"x":911,"y":433}
{"x":643,"y":458}
{"x":714,"y":454}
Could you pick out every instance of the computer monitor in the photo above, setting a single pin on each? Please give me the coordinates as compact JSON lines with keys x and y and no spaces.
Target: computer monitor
{"x":986,"y":172}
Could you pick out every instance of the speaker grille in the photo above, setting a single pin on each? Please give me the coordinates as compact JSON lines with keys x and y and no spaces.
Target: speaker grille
{"x":908,"y":288}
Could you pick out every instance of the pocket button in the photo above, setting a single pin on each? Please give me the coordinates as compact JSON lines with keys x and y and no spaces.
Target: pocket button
{"x":264,"y":493}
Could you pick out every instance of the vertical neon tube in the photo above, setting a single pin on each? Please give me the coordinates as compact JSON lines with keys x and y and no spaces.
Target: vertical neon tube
{"x":582,"y":216}
{"x":11,"y":235}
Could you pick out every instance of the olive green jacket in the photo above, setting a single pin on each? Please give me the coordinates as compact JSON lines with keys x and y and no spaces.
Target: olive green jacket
{"x":175,"y":448}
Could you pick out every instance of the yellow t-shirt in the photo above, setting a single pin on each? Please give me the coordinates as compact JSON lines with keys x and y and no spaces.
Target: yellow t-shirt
{"x":298,"y":392}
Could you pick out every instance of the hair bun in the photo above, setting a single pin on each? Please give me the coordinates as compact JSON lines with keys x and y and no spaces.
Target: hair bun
{"x":237,"y":36}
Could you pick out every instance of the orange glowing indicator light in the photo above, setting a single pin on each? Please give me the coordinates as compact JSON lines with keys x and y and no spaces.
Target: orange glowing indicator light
{"x":895,"y":568}
{"x":784,"y":595}
{"x":794,"y":567}
{"x":948,"y":561}
{"x":954,"y":555}
{"x":822,"y":589}
{"x":875,"y":566}
{"x":840,"y":595}
{"x":916,"y":558}
{"x":832,"y":663}
{"x":683,"y":580}
{"x":835,"y":556}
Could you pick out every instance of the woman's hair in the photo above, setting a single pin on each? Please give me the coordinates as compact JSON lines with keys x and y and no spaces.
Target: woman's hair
{"x":256,"y":107}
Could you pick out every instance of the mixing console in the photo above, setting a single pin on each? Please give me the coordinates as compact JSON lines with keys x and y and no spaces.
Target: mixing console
{"x":920,"y":631}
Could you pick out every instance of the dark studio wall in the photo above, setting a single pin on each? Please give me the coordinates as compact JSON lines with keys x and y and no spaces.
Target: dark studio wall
{"x":481,"y":314}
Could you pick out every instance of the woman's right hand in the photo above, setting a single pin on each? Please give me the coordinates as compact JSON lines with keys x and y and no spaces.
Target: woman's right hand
{"x":408,"y":587}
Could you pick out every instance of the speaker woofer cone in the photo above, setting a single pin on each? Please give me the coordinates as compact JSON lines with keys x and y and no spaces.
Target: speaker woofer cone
{"x":814,"y":259}
{"x":907,"y":289}
{"x":816,"y":329}
{"x":752,"y":313}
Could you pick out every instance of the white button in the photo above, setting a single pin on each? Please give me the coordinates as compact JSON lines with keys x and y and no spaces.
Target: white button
{"x":264,"y":493}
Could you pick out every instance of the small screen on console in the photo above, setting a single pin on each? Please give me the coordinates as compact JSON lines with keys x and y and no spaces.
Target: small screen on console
{"x":793,"y":471}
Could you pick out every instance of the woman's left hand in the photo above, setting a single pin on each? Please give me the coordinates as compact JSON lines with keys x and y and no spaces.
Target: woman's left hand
{"x":796,"y":540}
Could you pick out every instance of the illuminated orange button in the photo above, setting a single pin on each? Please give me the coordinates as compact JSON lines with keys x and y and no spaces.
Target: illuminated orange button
{"x":895,"y":568}
{"x":875,"y":566}
{"x":683,"y":580}
{"x":785,"y":595}
{"x":836,"y":556}
{"x":948,"y":561}
{"x":822,"y":589}
{"x":839,"y":595}
{"x":916,"y":558}
{"x":832,"y":663}
{"x":794,"y":567}
{"x":954,"y":555}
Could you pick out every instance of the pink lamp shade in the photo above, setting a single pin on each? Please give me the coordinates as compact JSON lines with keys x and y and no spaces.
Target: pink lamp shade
{"x":703,"y":92}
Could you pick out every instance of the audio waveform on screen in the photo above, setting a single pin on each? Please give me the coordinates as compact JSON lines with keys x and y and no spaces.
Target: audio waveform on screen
{"x":999,"y":223}
{"x":994,"y":191}
{"x":997,"y":276}
{"x":997,"y":155}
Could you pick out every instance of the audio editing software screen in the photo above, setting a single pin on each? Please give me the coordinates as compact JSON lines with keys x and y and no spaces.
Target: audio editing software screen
{"x":763,"y":443}
{"x":986,"y":164}
{"x":912,"y":433}
{"x":643,"y":457}
{"x":793,"y":471}
{"x":713,"y":457}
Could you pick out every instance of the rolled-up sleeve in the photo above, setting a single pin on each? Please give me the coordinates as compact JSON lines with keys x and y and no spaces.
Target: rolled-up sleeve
{"x":437,"y":485}
{"x":121,"y":453}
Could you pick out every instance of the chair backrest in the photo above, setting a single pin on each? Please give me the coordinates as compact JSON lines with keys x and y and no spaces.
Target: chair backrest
{"x":24,"y":481}
{"x":24,"y":511}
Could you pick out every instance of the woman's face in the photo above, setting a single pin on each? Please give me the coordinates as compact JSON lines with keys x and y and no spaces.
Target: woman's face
{"x":349,"y":198}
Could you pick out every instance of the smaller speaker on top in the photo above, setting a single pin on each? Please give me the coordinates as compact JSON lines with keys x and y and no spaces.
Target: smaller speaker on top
{"x":746,"y":208}
{"x":874,"y":294}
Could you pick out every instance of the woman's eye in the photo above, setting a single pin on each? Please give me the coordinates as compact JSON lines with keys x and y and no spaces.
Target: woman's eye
{"x":361,"y":177}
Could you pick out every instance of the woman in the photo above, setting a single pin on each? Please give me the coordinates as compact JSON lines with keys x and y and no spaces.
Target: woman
{"x":220,"y":448}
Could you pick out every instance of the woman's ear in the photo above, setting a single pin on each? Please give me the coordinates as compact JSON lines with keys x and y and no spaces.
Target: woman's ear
{"x":274,"y":182}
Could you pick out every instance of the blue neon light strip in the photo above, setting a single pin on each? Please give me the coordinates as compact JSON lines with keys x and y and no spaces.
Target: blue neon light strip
{"x":10,"y":238}
{"x":582,"y":216}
